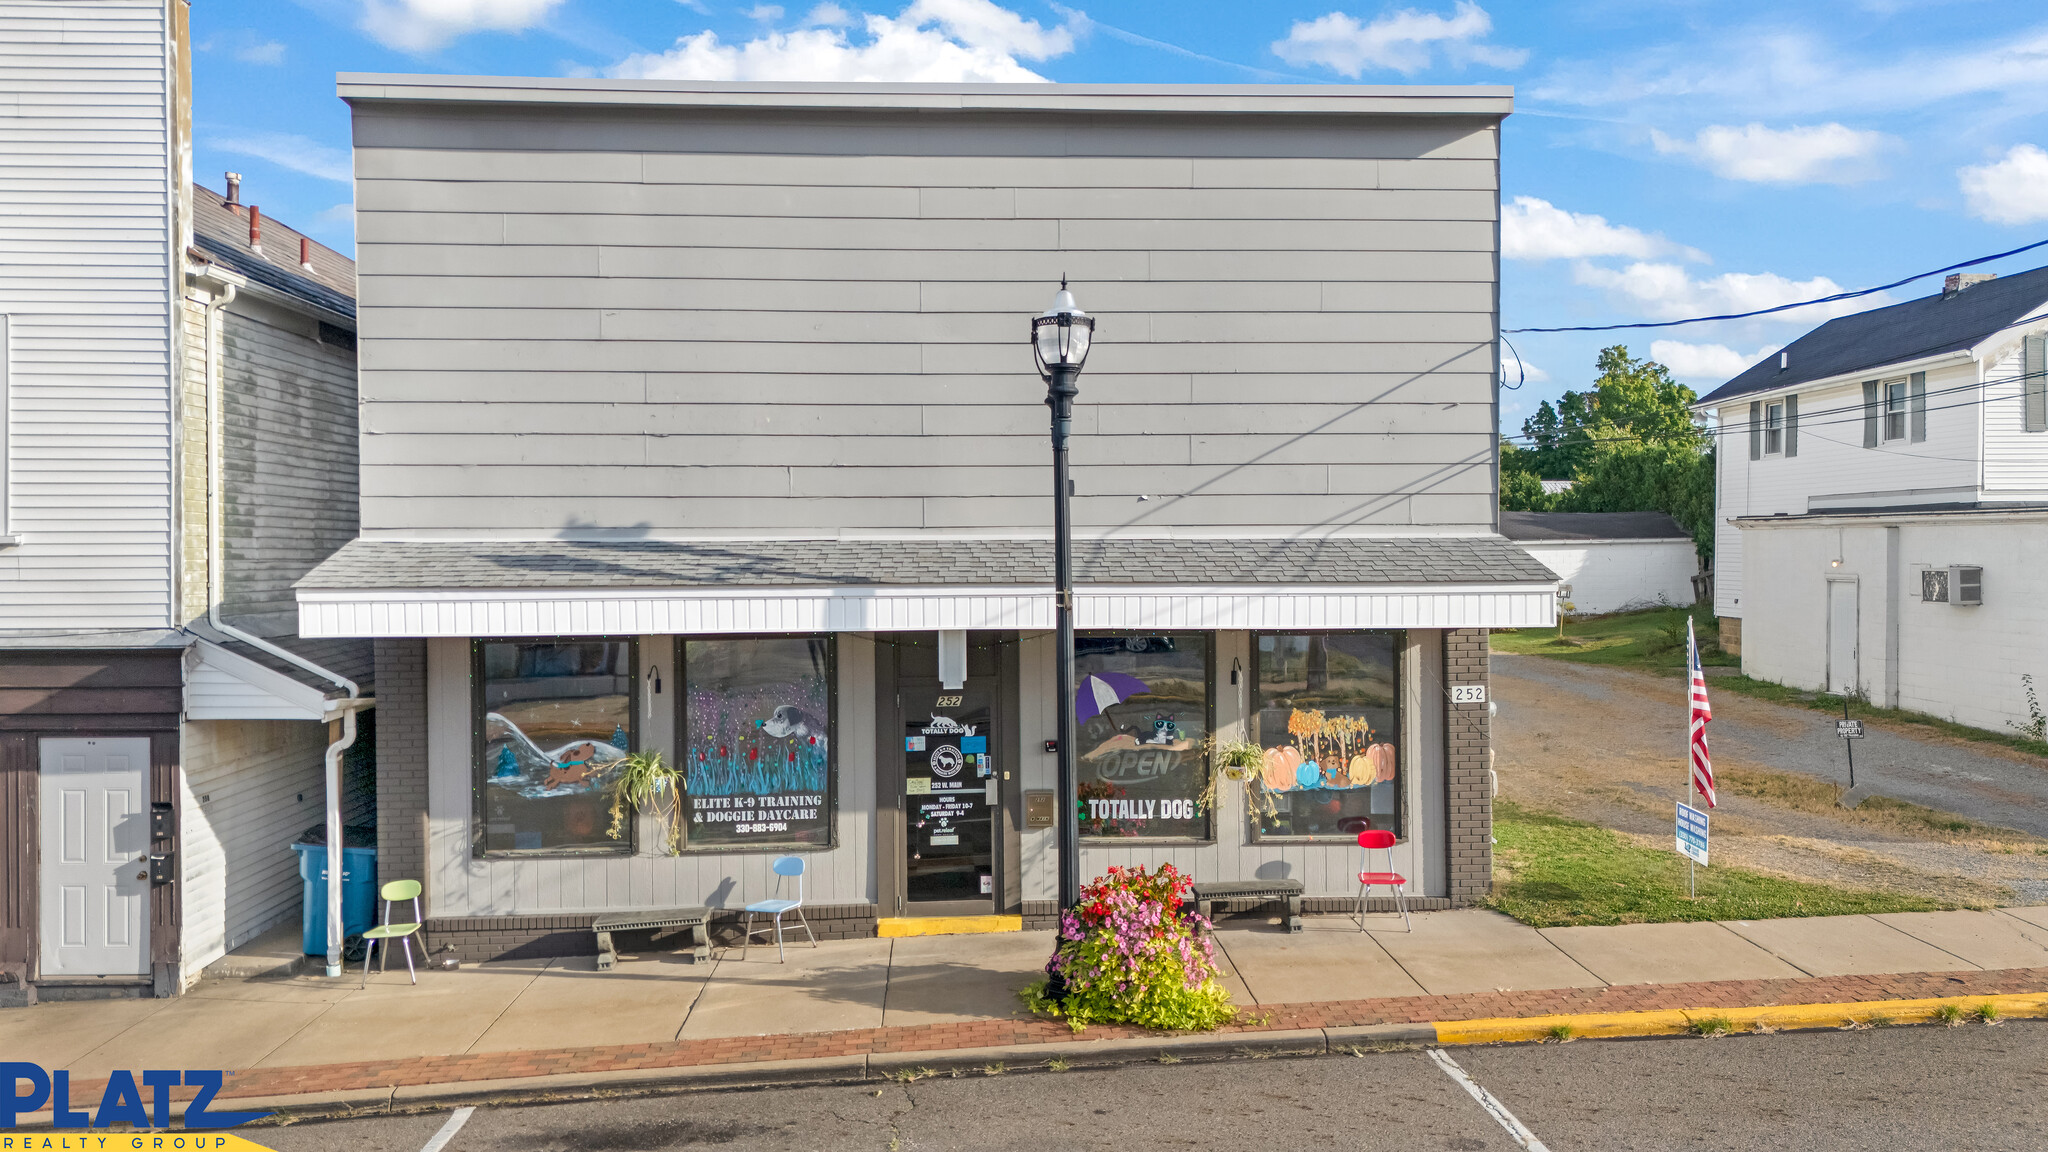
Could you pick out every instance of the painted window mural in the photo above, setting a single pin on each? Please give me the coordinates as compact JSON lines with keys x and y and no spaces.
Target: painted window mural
{"x":1328,"y":708}
{"x":1141,"y":714}
{"x":553,"y":717}
{"x":757,"y":744}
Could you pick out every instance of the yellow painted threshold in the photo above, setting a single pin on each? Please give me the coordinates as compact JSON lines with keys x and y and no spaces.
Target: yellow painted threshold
{"x":946,"y":925}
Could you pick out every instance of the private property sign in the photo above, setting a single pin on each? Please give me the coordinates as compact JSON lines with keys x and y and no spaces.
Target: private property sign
{"x":1692,"y":833}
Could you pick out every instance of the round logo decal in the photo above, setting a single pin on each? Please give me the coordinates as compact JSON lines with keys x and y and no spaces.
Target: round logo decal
{"x":946,"y":762}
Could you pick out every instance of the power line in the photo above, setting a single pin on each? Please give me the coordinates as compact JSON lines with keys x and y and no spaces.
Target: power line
{"x":1788,"y":307}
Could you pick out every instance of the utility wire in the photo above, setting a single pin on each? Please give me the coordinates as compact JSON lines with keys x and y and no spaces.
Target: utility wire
{"x":1788,"y":307}
{"x":1861,"y":413}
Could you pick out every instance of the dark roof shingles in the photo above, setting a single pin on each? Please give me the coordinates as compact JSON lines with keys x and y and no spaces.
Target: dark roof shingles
{"x":1928,"y":326}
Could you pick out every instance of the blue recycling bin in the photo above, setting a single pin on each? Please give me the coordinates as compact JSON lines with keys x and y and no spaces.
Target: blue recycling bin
{"x":358,"y":884}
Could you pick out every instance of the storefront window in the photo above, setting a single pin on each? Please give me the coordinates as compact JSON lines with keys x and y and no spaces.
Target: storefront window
{"x":1328,"y":716}
{"x":1141,"y":712}
{"x":553,"y":717}
{"x":757,"y":741}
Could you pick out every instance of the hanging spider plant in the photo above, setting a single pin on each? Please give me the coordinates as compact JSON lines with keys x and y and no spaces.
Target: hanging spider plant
{"x":643,"y":782}
{"x":1235,"y":760}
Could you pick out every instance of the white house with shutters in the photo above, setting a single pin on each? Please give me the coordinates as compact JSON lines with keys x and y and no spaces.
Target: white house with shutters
{"x":1882,"y":504}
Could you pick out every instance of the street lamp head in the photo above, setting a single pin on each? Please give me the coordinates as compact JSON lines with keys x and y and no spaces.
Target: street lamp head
{"x":1061,"y":334}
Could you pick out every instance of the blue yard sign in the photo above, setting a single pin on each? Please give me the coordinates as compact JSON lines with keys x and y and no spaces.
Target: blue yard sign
{"x":1692,"y":833}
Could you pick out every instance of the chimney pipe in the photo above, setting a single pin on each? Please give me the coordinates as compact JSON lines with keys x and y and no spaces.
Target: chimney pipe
{"x":305,"y":254}
{"x":255,"y":229}
{"x":1784,"y":361}
{"x":1957,"y":281}
{"x":234,"y":199}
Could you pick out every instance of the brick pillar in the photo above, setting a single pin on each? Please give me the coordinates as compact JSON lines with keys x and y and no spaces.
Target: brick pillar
{"x":1468,"y":740}
{"x":402,"y":763}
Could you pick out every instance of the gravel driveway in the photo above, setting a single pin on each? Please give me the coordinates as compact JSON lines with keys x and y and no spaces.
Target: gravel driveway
{"x":1608,"y":745}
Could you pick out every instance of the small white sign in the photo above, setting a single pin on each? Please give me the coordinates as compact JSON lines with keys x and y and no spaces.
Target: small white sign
{"x":945,"y":839}
{"x":1468,"y":693}
{"x":988,"y":884}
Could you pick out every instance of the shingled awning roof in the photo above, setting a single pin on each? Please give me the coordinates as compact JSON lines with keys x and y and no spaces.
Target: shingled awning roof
{"x":537,"y":587}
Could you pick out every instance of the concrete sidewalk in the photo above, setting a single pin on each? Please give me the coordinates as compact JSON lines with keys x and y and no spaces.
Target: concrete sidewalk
{"x":501,"y":1022}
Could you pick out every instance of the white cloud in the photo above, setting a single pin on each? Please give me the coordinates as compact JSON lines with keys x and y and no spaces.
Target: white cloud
{"x":1513,"y":367}
{"x":294,"y":152}
{"x":424,"y":25}
{"x":1819,"y":154}
{"x":931,"y":41}
{"x":1404,"y":40}
{"x":766,"y":13}
{"x":1715,"y":362}
{"x":829,"y":15}
{"x":1772,"y":72}
{"x":1668,"y":292}
{"x":253,"y":51}
{"x":1533,"y":229}
{"x":341,"y":216}
{"x":2013,"y":190}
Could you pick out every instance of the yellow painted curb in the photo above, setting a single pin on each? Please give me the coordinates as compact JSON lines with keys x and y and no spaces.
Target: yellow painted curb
{"x":1680,"y":1020}
{"x":946,"y":925}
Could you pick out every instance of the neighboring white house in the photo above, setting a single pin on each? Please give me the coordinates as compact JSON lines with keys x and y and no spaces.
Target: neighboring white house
{"x":177,"y":445}
{"x":1614,"y":561}
{"x":1882,"y":504}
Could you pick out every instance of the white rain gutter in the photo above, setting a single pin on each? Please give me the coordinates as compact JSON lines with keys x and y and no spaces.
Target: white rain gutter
{"x":215,"y":583}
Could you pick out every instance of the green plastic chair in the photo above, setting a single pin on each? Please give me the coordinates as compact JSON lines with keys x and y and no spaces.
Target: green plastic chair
{"x":405,"y":934}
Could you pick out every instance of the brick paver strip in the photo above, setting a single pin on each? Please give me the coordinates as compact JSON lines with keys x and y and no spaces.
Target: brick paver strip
{"x":1004,"y":1033}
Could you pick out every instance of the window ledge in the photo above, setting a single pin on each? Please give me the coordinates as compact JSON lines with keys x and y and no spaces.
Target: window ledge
{"x":9,"y":541}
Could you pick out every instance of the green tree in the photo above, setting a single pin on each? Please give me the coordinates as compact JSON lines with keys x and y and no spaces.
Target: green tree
{"x":1673,"y":478}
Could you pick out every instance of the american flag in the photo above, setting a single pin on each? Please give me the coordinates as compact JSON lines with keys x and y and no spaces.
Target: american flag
{"x":1701,"y":712}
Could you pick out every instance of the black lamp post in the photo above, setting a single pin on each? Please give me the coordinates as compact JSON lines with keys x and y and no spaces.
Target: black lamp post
{"x":1059,"y":341}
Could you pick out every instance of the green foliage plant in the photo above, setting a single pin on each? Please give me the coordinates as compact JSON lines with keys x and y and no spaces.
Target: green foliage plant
{"x":644,"y":782}
{"x":2036,"y":727}
{"x":1126,"y":954}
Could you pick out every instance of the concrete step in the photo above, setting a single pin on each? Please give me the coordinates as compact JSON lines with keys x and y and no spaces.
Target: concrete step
{"x":275,"y":954}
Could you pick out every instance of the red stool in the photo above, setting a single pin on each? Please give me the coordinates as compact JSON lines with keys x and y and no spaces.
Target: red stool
{"x":1367,"y":841}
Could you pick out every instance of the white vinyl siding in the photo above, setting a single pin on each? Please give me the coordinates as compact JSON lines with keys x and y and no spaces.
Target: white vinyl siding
{"x":2015,"y":459}
{"x":251,"y":786}
{"x":85,"y":282}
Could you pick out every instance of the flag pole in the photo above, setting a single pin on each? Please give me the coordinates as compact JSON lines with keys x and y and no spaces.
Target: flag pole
{"x":1692,"y":655}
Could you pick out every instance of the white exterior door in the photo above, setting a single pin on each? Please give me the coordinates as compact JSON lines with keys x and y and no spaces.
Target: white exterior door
{"x":1842,"y":679}
{"x":95,"y":866}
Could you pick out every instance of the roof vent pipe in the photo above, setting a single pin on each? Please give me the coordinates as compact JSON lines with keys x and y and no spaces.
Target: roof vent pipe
{"x":234,"y":199}
{"x":305,"y":254}
{"x":256,"y":229}
{"x":1784,"y":361}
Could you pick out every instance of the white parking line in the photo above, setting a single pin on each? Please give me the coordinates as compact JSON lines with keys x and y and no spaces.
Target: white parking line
{"x":1516,"y":1129}
{"x":448,"y":1130}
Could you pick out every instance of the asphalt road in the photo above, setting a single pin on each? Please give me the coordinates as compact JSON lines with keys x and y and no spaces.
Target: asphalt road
{"x":1928,"y":769}
{"x":1973,"y":1087}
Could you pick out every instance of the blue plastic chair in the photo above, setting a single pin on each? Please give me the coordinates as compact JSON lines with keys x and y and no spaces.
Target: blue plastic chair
{"x":785,"y":866}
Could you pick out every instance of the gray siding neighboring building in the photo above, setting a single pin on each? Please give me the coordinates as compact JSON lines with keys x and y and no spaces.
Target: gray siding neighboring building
{"x":692,"y":319}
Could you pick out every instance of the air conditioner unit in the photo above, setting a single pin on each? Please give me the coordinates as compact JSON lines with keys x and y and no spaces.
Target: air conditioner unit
{"x":1961,"y":584}
{"x":1965,"y":584}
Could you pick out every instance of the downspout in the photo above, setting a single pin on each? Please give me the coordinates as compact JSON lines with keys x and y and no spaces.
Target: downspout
{"x":215,"y":584}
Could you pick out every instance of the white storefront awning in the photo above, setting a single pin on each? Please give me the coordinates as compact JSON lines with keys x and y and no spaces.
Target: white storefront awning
{"x":635,"y":611}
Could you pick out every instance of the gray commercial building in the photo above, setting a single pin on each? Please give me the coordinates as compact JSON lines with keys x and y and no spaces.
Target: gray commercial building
{"x":701,"y":419}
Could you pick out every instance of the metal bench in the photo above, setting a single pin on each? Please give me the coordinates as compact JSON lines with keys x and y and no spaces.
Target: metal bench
{"x":1206,"y":895}
{"x":694,"y":917}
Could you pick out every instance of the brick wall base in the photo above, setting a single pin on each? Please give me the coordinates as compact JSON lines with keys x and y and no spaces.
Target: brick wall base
{"x":1468,"y":764}
{"x":475,"y":939}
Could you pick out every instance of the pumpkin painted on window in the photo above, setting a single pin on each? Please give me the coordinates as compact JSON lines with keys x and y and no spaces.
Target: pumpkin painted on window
{"x":1381,"y":757}
{"x":1360,"y":771}
{"x":1279,"y":772}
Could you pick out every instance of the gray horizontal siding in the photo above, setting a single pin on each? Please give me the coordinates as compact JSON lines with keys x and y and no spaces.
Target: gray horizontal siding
{"x":722,"y":323}
{"x":289,"y":460}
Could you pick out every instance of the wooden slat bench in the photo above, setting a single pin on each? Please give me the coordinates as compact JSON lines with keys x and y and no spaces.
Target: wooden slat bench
{"x":694,"y":917}
{"x":1207,"y":894}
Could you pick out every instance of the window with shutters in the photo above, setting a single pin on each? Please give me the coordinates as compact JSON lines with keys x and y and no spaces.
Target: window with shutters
{"x":1896,"y":409}
{"x":1774,"y":429}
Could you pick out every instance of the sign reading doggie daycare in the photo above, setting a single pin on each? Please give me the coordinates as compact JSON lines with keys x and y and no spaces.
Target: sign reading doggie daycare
{"x":758,"y":741}
{"x":129,"y":1114}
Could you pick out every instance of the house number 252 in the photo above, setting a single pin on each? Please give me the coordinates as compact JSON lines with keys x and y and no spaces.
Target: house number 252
{"x":1468,"y":693}
{"x":949,"y":702}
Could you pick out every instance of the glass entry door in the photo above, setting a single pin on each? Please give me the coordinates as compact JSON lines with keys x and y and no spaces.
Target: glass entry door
{"x":951,"y":792}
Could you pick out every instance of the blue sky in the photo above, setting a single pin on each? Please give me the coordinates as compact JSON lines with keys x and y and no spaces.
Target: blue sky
{"x":1667,"y":159}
